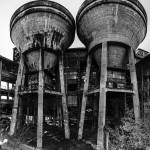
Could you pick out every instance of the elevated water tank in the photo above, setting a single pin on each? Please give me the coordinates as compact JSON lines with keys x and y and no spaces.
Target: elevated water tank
{"x":42,"y":24}
{"x":121,"y":22}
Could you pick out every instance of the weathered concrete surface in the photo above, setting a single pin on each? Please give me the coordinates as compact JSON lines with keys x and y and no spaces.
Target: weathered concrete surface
{"x":42,"y":23}
{"x":117,"y":55}
{"x":123,"y":21}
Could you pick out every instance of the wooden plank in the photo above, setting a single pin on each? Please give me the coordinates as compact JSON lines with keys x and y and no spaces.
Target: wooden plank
{"x":92,"y":92}
{"x":133,"y":75}
{"x":102,"y":98}
{"x":53,"y":92}
{"x":45,"y":91}
{"x":16,"y":97}
{"x":120,"y":90}
{"x":27,"y":92}
{"x":111,"y":90}
{"x":84,"y":98}
{"x":40,"y":103}
{"x":64,"y":98}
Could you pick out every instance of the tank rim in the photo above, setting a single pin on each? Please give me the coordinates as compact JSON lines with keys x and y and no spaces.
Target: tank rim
{"x":83,"y":8}
{"x":37,"y":3}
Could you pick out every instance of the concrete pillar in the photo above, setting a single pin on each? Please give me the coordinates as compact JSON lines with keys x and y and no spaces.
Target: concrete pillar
{"x":16,"y":98}
{"x":64,"y":98}
{"x":84,"y":98}
{"x":102,"y":98}
{"x":136,"y":103}
{"x":40,"y":103}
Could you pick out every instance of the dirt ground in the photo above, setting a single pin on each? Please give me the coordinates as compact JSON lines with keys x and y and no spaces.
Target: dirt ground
{"x":53,"y":139}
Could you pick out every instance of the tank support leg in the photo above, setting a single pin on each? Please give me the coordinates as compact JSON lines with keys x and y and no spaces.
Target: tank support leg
{"x":20,"y":104}
{"x":16,"y":98}
{"x":84,"y":98}
{"x":64,"y":98}
{"x":40,"y":103}
{"x":102,"y":98}
{"x":133,"y":75}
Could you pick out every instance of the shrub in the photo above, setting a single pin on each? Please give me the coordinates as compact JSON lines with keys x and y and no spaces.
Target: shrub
{"x":130,"y":135}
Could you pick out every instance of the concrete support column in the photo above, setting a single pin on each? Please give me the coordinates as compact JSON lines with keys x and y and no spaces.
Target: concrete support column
{"x":40,"y":103}
{"x":16,"y":97}
{"x":20,"y":104}
{"x":84,"y":98}
{"x":64,"y":98}
{"x":136,"y":103}
{"x":102,"y":98}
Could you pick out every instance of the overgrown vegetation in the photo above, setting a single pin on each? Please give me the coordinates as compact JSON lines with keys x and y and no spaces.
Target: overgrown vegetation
{"x":130,"y":135}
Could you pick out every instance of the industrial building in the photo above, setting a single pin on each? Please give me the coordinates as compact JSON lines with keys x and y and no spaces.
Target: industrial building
{"x":8,"y":74}
{"x":144,"y":85}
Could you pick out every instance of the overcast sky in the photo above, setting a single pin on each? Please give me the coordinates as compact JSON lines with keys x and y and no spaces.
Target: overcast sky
{"x":7,"y":8}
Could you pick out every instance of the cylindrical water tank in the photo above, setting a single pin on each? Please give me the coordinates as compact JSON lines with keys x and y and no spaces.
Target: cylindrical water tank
{"x":121,"y":21}
{"x":42,"y":24}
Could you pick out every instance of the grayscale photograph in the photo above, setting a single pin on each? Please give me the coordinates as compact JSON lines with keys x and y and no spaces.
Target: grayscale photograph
{"x":74,"y":75}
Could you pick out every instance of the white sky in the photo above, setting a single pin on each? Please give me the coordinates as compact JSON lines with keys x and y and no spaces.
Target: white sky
{"x":8,"y":7}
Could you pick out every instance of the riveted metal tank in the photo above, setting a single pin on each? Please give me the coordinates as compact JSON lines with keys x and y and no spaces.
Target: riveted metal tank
{"x":122,"y":23}
{"x":42,"y":24}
